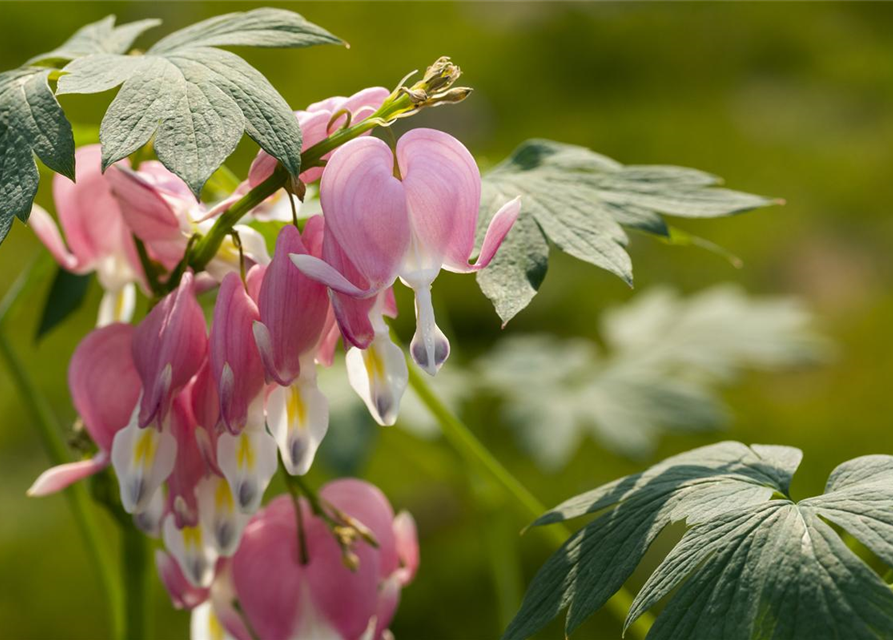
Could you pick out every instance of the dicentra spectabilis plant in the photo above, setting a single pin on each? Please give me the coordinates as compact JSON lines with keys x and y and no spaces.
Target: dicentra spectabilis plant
{"x":186,"y":413}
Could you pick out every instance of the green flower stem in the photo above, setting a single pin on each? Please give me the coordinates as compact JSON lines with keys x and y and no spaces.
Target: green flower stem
{"x":48,"y":432}
{"x":135,"y":563}
{"x":461,"y":437}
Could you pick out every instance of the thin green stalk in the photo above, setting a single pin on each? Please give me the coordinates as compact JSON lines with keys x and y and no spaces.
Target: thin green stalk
{"x":135,"y":563}
{"x":48,"y":432}
{"x":461,"y":437}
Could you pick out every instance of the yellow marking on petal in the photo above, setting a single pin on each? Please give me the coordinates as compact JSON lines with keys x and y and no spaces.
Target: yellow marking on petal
{"x":223,"y":497}
{"x":228,"y":250}
{"x":119,"y":305}
{"x":295,"y":408}
{"x":215,"y":629}
{"x":245,"y":454}
{"x":192,"y":537}
{"x":374,"y":363}
{"x":144,"y":450}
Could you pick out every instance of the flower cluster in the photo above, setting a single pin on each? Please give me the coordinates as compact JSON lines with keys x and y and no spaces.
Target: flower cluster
{"x":193,"y":418}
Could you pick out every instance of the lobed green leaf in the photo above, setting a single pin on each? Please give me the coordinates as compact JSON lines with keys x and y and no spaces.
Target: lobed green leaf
{"x":581,"y":201}
{"x":197,"y":100}
{"x":749,"y":566}
{"x":31,"y":122}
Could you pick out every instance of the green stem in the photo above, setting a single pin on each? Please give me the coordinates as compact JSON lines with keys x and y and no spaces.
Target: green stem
{"x":461,"y":437}
{"x":48,"y":432}
{"x":135,"y":562}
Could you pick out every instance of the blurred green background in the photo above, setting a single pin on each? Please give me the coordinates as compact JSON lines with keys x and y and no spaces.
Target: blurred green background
{"x":790,"y":100}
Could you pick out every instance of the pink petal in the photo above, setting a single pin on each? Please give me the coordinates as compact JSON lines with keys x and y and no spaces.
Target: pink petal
{"x":368,"y":505}
{"x":443,"y":195}
{"x":253,"y":281}
{"x":293,"y":307}
{"x":235,"y":360}
{"x":147,"y":212}
{"x":62,"y":476}
{"x":266,"y":573}
{"x":47,"y":232}
{"x":499,"y":227}
{"x":104,"y":382}
{"x":183,"y":594}
{"x":325,"y":354}
{"x":407,"y":541}
{"x":365,"y":209}
{"x":89,"y":215}
{"x":169,"y":346}
{"x":190,"y":466}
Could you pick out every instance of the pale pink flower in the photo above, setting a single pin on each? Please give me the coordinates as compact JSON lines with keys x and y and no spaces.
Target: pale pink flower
{"x":316,"y":123}
{"x":286,"y":600}
{"x":98,"y":239}
{"x":162,"y":212}
{"x":405,"y":216}
{"x":105,"y":388}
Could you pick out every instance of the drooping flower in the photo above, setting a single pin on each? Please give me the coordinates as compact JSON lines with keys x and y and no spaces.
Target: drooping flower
{"x":105,"y":388}
{"x":316,"y":122}
{"x":283,"y":599}
{"x":162,"y":212}
{"x":246,"y":454}
{"x":292,"y":328}
{"x":407,"y":216}
{"x":169,"y":347}
{"x":98,"y":239}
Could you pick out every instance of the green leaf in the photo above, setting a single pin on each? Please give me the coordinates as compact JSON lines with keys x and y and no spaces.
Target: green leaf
{"x":66,"y":295}
{"x":98,"y":37}
{"x":195,"y":99}
{"x":664,"y":358}
{"x":31,"y":122}
{"x":753,"y":563}
{"x":581,"y":201}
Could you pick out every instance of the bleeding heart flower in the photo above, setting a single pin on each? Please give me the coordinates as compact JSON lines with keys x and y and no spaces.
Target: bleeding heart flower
{"x":295,"y":324}
{"x":98,"y":239}
{"x":284,"y":599}
{"x":406,"y":216}
{"x":105,"y":388}
{"x":316,"y":122}
{"x":163,"y":213}
{"x":246,"y":454}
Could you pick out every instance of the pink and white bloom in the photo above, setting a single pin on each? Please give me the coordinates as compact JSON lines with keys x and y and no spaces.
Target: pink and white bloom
{"x":291,"y":330}
{"x":316,"y":122}
{"x":163,"y":213}
{"x":169,"y":347}
{"x":105,"y":388}
{"x":98,"y":239}
{"x":285,"y":600}
{"x":246,"y":454}
{"x":406,"y":216}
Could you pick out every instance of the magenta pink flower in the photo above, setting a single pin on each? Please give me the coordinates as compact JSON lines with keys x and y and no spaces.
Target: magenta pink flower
{"x":169,"y":346}
{"x":294,"y":321}
{"x":283,"y":599}
{"x":101,"y":363}
{"x":98,"y":239}
{"x":408,"y":225}
{"x":246,"y":454}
